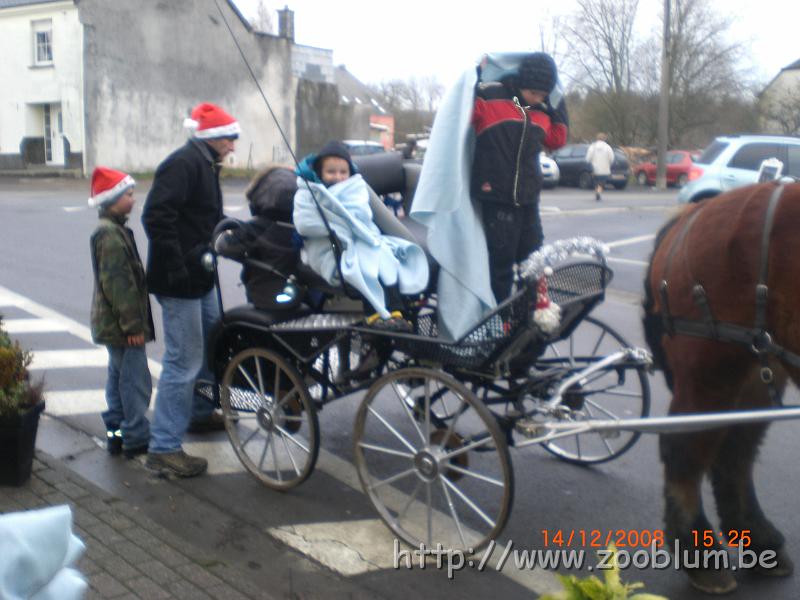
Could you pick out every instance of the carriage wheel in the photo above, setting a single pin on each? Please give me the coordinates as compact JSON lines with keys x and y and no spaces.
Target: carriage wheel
{"x":433,"y":461}
{"x":270,"y":418}
{"x":614,"y":393}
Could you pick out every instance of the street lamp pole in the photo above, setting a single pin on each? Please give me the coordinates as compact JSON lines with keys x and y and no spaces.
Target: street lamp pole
{"x":663,"y":104}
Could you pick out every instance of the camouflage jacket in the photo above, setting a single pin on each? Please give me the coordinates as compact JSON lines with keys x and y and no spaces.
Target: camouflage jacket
{"x":120,"y":304}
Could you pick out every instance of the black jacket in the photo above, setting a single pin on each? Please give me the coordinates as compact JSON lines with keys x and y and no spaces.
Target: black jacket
{"x":180,"y":213}
{"x":268,"y":237}
{"x":509,"y":137}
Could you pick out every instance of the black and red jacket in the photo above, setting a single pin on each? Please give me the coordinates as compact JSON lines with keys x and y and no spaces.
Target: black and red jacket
{"x":509,"y":137}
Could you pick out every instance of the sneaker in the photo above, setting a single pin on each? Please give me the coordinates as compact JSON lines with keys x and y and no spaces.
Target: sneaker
{"x":395,"y":322}
{"x":213,"y":422}
{"x":134,"y":451}
{"x":114,"y":442}
{"x":177,"y":463}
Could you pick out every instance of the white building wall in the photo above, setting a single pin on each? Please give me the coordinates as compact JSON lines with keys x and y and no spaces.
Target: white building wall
{"x":24,"y":87}
{"x":784,"y":91}
{"x":149,"y":62}
{"x":314,"y":64}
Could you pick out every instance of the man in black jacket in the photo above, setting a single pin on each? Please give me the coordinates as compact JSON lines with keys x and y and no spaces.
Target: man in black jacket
{"x":182,"y":209}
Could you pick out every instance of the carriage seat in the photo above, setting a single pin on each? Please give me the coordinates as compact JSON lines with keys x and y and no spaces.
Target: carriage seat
{"x":250,"y":315}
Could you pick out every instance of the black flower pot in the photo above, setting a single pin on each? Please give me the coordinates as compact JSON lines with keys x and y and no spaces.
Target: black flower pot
{"x":17,"y":443}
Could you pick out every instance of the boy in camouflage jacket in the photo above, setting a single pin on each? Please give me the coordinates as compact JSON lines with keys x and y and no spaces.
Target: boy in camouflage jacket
{"x":121,"y":317}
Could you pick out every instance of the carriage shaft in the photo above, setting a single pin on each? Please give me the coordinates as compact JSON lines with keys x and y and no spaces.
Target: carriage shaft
{"x":669,"y":424}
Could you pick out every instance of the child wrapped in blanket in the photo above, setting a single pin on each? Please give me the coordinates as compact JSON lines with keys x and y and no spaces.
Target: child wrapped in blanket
{"x":381,"y":268}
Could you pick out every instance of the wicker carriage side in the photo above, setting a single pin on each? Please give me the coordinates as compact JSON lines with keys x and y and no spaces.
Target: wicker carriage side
{"x":576,"y":287}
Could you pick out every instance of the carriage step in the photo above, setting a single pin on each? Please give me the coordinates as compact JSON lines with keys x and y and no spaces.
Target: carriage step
{"x":317,"y":322}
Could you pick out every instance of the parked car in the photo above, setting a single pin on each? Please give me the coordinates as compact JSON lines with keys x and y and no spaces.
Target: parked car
{"x":733,"y":161}
{"x":680,"y":169}
{"x":576,"y":170}
{"x":550,"y":171}
{"x":362,"y":147}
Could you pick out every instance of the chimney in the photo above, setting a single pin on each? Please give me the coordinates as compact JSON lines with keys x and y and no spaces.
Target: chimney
{"x":286,"y":23}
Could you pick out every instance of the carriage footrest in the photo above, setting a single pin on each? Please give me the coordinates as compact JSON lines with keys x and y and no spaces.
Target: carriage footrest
{"x":531,"y":427}
{"x":319,"y":322}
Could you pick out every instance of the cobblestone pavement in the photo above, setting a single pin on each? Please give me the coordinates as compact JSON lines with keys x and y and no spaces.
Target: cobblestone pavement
{"x":128,"y":555}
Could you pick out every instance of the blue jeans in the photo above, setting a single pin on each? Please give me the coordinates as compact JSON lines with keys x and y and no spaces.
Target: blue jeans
{"x":128,"y":390}
{"x":187,"y":324}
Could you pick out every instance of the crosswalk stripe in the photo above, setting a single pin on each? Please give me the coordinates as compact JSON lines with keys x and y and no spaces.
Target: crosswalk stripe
{"x":17,"y":326}
{"x":69,"y":359}
{"x":71,"y":402}
{"x":9,"y":298}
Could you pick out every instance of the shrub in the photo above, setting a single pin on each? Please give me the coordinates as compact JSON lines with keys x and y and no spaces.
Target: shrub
{"x":17,"y":392}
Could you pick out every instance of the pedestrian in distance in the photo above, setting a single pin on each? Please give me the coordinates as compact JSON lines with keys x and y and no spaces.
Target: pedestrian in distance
{"x":601,"y":156}
{"x":514,"y":120}
{"x":182,"y":209}
{"x":121,"y":318}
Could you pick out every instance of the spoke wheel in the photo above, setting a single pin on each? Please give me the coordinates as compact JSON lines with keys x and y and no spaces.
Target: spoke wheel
{"x":433,"y":461}
{"x":613,"y":393}
{"x":270,"y":418}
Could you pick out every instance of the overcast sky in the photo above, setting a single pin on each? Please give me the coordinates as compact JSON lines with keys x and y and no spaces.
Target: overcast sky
{"x":378,"y":40}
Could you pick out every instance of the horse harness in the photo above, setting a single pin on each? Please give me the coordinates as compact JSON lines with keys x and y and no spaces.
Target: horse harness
{"x":757,"y":338}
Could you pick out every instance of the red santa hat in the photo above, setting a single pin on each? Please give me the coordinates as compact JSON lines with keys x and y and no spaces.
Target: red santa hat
{"x":108,"y":185}
{"x":547,"y":314}
{"x":209,"y":121}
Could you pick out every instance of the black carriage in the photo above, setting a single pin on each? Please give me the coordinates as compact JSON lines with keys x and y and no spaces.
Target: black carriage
{"x":432,"y":433}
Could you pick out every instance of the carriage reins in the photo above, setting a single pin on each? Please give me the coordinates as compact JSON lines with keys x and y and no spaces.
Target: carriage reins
{"x":757,"y":338}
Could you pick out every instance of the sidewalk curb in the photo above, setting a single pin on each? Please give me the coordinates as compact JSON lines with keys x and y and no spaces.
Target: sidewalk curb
{"x":127,"y":553}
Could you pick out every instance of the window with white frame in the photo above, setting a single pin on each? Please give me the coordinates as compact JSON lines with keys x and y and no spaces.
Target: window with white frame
{"x":43,"y":42}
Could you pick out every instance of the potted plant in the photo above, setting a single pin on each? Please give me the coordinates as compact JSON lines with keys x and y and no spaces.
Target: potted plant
{"x":21,"y":404}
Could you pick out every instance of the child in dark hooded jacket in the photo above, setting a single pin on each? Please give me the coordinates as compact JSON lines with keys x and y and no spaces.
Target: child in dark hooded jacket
{"x":268,"y":237}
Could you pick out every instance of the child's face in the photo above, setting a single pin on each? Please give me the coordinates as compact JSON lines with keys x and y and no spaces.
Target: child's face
{"x":532,"y":97}
{"x":334,"y":170}
{"x":124,"y":205}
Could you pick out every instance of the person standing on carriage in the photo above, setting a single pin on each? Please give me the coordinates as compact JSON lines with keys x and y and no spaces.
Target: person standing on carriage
{"x":478,"y":192}
{"x":180,"y":213}
{"x":514,"y":119}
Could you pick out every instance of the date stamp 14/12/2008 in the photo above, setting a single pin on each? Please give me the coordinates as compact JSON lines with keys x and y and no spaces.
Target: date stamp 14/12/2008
{"x":639,"y":538}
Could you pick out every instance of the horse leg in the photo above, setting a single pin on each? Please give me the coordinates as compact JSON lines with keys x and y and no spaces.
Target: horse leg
{"x":686,"y":458}
{"x":737,"y":503}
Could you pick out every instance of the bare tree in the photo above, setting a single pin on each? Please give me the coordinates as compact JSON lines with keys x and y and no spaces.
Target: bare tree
{"x":263,"y":20}
{"x":600,"y":39}
{"x":705,"y":72}
{"x":415,"y":94}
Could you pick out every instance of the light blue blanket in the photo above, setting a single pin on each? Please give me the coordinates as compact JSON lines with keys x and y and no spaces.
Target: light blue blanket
{"x":442,"y":203}
{"x":37,"y":548}
{"x":369,"y":259}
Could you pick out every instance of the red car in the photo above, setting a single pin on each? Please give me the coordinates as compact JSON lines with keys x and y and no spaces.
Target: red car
{"x":680,"y":169}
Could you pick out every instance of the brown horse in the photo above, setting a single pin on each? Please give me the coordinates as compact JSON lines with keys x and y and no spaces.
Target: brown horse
{"x":705,"y":268}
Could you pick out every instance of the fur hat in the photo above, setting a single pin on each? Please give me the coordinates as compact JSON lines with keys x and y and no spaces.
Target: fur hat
{"x":209,"y":121}
{"x":537,"y":71}
{"x":108,"y":186}
{"x":333,"y":148}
